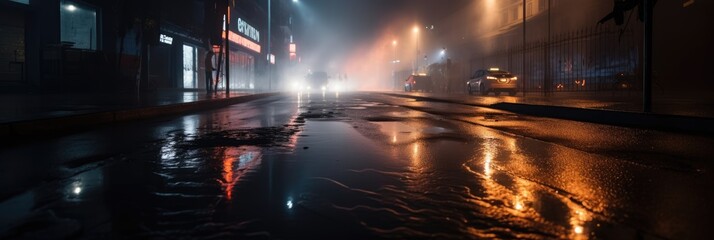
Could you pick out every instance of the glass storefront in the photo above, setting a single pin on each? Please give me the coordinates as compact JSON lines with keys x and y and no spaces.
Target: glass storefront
{"x":78,"y":25}
{"x":242,"y":69}
{"x":190,"y":67}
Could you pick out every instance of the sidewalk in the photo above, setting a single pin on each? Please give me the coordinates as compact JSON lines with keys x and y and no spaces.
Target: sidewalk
{"x":619,"y":109}
{"x":24,"y":115}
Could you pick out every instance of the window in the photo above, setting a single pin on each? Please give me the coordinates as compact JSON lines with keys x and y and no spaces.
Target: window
{"x":78,"y":24}
{"x":190,"y":67}
{"x":21,"y":1}
{"x":530,"y":8}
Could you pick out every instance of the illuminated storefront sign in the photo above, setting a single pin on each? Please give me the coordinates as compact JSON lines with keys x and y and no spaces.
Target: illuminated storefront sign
{"x":248,"y":30}
{"x":166,"y":39}
{"x":237,"y":39}
{"x":293,"y":51}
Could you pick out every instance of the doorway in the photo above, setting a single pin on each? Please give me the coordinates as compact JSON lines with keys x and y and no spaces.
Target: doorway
{"x":190,"y":67}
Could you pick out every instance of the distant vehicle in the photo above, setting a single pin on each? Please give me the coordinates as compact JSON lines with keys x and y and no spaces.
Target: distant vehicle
{"x":317,"y":80}
{"x":492,"y":80}
{"x":421,"y":83}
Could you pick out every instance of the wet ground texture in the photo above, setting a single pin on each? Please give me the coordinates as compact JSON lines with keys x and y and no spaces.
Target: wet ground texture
{"x":361,"y":166}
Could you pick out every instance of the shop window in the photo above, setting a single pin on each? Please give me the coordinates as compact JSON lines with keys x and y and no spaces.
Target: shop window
{"x":190,"y":67}
{"x":78,"y":24}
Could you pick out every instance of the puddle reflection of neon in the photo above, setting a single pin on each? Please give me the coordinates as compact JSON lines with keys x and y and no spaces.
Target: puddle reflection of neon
{"x":228,"y":176}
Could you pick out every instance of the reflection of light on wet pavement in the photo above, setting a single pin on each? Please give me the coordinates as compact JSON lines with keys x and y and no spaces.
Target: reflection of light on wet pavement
{"x":189,"y":97}
{"x":190,"y":124}
{"x":513,"y":198}
{"x":398,"y":132}
{"x":415,"y":150}
{"x":235,"y":163}
{"x":228,"y":181}
{"x":489,"y":152}
{"x":579,"y":218}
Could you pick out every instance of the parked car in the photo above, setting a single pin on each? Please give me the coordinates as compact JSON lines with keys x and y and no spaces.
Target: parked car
{"x":421,"y":83}
{"x":493,"y":80}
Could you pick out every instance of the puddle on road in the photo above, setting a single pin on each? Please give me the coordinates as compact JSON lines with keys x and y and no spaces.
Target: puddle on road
{"x":400,"y":132}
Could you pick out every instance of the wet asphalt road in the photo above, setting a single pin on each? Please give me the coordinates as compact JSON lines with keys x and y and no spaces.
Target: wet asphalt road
{"x":358,"y":166}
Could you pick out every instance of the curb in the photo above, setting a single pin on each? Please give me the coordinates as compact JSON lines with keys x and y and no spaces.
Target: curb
{"x":695,"y":125}
{"x":11,"y":131}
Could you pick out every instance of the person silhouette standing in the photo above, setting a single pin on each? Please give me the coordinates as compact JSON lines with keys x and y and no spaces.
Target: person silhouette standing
{"x":209,"y":71}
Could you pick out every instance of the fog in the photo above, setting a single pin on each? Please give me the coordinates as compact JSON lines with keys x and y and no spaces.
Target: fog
{"x":354,"y":38}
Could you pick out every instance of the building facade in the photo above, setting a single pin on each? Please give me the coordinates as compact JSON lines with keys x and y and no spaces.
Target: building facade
{"x":565,"y":49}
{"x":132,"y":45}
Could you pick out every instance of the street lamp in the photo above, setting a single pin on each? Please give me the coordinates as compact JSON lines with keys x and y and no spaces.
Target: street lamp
{"x":415,"y":68}
{"x":394,"y":61}
{"x":445,"y":73}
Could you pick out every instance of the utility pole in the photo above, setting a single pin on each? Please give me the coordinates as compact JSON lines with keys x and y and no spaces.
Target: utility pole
{"x":228,"y":44}
{"x":394,"y":62}
{"x":270,"y":30}
{"x":647,"y":57}
{"x":523,"y":65}
{"x":547,"y":81}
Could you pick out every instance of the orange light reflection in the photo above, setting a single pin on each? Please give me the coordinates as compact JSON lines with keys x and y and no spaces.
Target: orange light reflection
{"x":228,"y":181}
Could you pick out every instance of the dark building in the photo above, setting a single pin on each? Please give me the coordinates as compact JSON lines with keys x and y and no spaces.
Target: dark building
{"x":567,"y":50}
{"x":130,"y":45}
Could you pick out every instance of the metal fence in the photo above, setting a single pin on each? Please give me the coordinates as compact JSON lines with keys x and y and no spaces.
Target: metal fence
{"x":591,"y":59}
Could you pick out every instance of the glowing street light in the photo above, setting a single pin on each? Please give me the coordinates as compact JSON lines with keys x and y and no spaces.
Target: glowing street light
{"x":416,"y":50}
{"x":394,"y":61}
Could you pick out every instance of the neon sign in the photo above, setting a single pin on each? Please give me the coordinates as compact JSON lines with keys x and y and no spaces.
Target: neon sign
{"x":166,"y":39}
{"x":237,"y":39}
{"x":248,"y":30}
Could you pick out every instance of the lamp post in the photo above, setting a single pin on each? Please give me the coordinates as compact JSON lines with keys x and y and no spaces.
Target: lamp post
{"x":270,"y":68}
{"x":394,"y":62}
{"x":415,"y":68}
{"x":445,"y":74}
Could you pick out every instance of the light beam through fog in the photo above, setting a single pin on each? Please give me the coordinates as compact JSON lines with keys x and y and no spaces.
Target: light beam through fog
{"x":353,"y":41}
